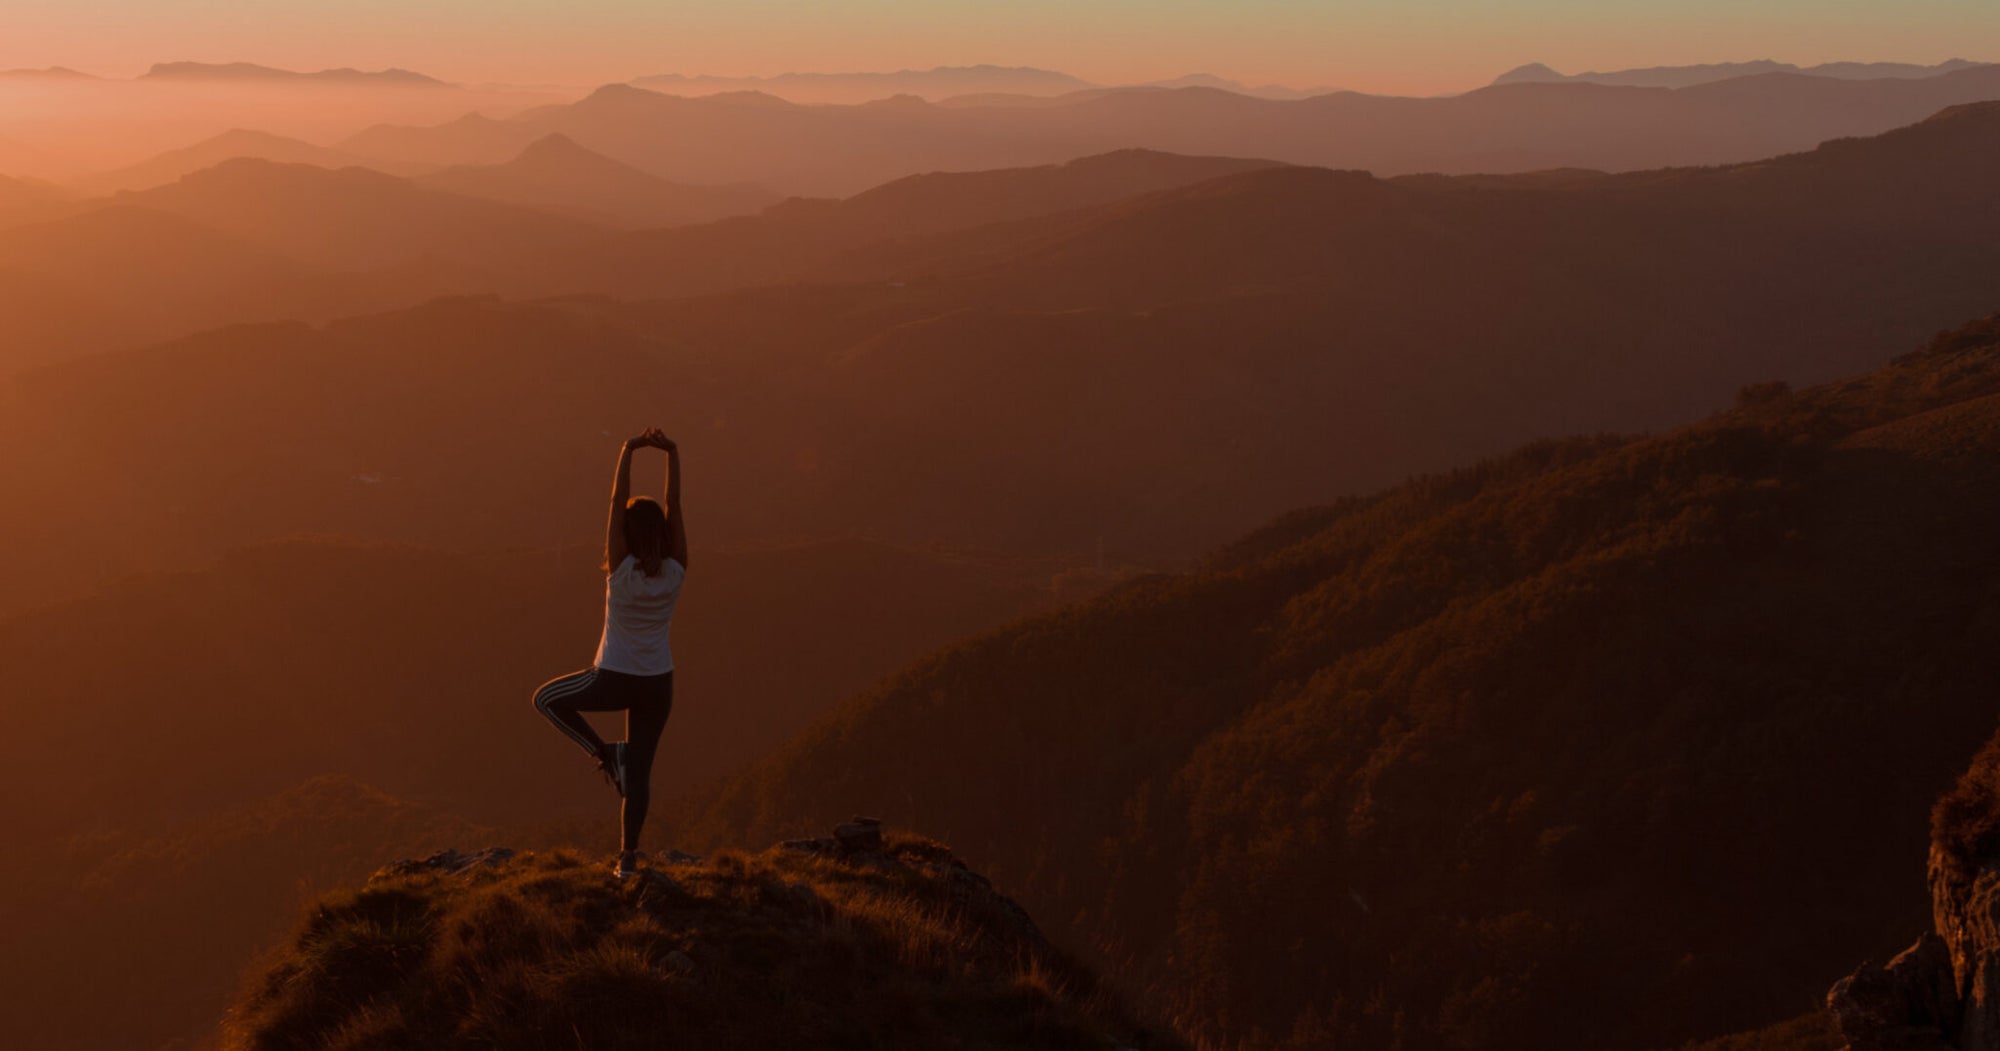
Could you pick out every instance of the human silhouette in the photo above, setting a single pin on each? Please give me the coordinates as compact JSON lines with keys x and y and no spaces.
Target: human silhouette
{"x":645,"y":561}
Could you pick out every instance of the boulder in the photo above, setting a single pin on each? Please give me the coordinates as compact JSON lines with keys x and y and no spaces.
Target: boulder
{"x":862,"y":835}
{"x":1909,"y":1004}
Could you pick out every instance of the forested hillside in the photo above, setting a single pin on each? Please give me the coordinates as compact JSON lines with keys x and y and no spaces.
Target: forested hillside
{"x":1609,"y":742}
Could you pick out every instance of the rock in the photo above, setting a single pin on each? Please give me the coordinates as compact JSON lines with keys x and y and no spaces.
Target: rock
{"x":447,"y":861}
{"x":654,"y":879}
{"x":861,"y":835}
{"x":1911,"y":1004}
{"x":679,"y":962}
{"x":1966,"y":914}
{"x":676,"y":857}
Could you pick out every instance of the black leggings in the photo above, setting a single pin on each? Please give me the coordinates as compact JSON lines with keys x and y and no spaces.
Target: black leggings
{"x":646,"y":701}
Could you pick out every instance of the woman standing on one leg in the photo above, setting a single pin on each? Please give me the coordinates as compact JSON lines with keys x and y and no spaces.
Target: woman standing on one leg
{"x":645,"y":560}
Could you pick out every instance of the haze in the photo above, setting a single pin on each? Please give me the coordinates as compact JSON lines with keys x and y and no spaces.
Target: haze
{"x":1382,"y":46}
{"x":1498,"y":557}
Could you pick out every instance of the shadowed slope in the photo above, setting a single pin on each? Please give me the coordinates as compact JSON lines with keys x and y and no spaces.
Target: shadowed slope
{"x":1606,"y":743}
{"x":188,"y":908}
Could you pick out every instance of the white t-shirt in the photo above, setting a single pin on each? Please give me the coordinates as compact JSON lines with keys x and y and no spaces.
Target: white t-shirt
{"x":637,"y":609}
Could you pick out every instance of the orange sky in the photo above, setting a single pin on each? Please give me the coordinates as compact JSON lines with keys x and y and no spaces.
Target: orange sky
{"x":1404,"y":46}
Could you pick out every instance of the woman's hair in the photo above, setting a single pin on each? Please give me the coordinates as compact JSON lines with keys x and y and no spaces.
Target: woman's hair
{"x":646,"y":533}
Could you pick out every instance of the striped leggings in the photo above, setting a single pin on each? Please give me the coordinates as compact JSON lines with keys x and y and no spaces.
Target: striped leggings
{"x":646,"y":701}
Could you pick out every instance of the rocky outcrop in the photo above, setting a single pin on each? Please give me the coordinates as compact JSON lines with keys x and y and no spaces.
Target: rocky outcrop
{"x":449,"y":861}
{"x":1942,"y":993}
{"x":1965,"y":909}
{"x":865,"y":938}
{"x":1909,"y":1004}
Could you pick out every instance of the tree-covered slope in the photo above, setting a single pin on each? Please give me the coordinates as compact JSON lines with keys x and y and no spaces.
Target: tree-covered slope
{"x":1611,"y":742}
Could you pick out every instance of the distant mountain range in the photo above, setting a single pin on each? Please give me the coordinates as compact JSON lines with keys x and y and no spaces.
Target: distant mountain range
{"x":231,"y":145}
{"x":253,"y":73}
{"x":1688,"y":76}
{"x":49,"y":73}
{"x":837,"y":150}
{"x":936,"y":85}
{"x":556,"y":174}
{"x":939,"y":83}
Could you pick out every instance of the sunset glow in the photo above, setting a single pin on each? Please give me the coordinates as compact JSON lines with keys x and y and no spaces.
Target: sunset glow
{"x":1383,"y":46}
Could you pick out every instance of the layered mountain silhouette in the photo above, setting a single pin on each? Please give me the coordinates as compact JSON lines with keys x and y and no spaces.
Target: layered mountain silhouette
{"x":357,"y":218}
{"x":230,"y":145}
{"x":22,"y":194}
{"x":1688,"y":76}
{"x":121,"y":275}
{"x":938,"y":220}
{"x":863,"y":941}
{"x":252,"y":73}
{"x":71,"y":127}
{"x":1397,"y":325}
{"x":1569,"y":747}
{"x":556,"y":174}
{"x":935,"y":84}
{"x":54,"y":73}
{"x":842,"y":149}
{"x":1268,"y":91}
{"x":1608,"y":742}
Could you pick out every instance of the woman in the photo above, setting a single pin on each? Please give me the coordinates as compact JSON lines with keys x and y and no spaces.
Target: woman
{"x":645,"y":560}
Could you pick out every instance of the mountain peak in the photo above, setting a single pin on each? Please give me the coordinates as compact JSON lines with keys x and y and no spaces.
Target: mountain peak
{"x":1532,"y":73}
{"x":555,"y":144}
{"x":558,"y":152}
{"x":890,"y":941}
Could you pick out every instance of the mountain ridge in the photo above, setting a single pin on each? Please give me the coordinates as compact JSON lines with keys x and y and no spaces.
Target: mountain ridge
{"x":556,"y":173}
{"x":250,"y":71}
{"x":1687,"y":76}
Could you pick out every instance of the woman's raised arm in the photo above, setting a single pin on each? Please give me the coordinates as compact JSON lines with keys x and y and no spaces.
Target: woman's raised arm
{"x":621,"y":491}
{"x":677,"y":537}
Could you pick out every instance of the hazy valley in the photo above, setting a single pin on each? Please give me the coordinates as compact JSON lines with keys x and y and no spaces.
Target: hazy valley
{"x":1498,"y":569}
